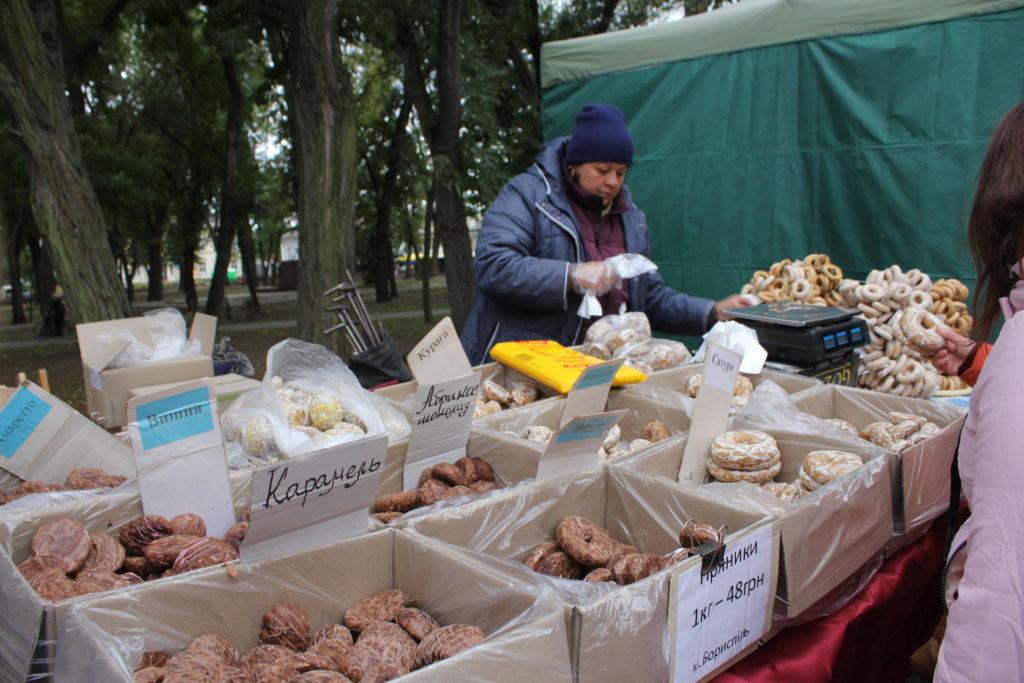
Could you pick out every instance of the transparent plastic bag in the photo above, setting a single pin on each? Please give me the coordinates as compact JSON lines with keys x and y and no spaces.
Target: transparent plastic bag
{"x":628,"y":334}
{"x":624,"y":266}
{"x":309,"y":400}
{"x":168,"y":333}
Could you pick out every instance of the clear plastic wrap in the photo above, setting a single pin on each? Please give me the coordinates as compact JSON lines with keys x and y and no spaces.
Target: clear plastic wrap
{"x":623,"y":266}
{"x":621,"y":631}
{"x":30,"y":622}
{"x":104,"y":638}
{"x":167,"y":332}
{"x":628,"y":335}
{"x":827,"y":534}
{"x":923,"y":469}
{"x":308,"y":380}
{"x":402,"y":396}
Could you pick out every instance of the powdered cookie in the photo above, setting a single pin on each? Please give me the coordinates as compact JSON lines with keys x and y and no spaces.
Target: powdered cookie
{"x":822,"y":467}
{"x":752,"y":476}
{"x":745,"y":450}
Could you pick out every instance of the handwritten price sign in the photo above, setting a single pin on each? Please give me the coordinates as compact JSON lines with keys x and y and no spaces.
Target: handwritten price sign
{"x":715,"y":616}
{"x":313,"y":500}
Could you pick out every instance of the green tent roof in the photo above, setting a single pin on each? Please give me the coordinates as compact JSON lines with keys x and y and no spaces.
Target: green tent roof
{"x":750,"y":23}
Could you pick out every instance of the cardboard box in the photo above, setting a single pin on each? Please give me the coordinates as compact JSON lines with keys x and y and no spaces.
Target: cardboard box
{"x":664,"y":398}
{"x":676,"y":379}
{"x":226,"y":387}
{"x":922,"y":471}
{"x":617,"y":633}
{"x":61,"y":439}
{"x":29,"y":622}
{"x":107,"y":389}
{"x":401,"y":395}
{"x":827,"y":535}
{"x":102,"y":639}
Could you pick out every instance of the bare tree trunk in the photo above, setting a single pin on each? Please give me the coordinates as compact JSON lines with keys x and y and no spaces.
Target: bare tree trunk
{"x":155,"y":255}
{"x":63,"y":201}
{"x":15,"y":232}
{"x":225,"y":235}
{"x":442,"y":132}
{"x":321,"y":115}
{"x":247,"y":249}
{"x":384,"y":263}
{"x":426,"y":264}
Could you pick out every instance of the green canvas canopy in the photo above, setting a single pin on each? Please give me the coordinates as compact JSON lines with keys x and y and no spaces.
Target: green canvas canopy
{"x":772,"y":129}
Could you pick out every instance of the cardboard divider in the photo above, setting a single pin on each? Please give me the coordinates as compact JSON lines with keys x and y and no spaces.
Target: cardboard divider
{"x":103,"y":638}
{"x":617,"y":632}
{"x":923,"y":469}
{"x":826,"y":535}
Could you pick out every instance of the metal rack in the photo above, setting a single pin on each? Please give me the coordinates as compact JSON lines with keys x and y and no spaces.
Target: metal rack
{"x":361,"y":332}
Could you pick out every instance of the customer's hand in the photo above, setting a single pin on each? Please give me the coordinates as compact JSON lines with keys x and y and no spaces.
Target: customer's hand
{"x":950,"y":357}
{"x":734,"y":301}
{"x":592,"y":277}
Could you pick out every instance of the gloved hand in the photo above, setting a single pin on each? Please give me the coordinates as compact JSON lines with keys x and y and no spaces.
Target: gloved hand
{"x":592,"y":277}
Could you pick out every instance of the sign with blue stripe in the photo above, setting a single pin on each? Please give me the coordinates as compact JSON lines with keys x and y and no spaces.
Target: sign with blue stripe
{"x":19,"y":418}
{"x":173,"y":418}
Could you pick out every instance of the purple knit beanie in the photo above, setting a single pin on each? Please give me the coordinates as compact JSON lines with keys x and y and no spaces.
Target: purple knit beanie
{"x":600,"y":135}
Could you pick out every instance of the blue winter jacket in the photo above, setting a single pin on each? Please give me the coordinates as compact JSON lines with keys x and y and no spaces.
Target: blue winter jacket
{"x":528,"y":238}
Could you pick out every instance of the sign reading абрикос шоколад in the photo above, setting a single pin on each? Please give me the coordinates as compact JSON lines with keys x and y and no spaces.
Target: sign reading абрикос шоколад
{"x":713,"y":616}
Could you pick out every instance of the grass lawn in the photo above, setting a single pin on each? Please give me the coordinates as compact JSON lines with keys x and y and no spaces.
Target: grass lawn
{"x":64,"y":366}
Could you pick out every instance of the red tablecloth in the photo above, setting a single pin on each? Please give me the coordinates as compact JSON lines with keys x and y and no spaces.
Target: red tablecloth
{"x":870,"y":638}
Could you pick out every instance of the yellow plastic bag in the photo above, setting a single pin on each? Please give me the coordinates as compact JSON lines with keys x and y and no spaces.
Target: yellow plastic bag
{"x":554,"y":365}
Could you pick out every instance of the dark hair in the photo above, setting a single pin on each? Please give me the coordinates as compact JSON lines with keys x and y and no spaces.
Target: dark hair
{"x":995,"y":231}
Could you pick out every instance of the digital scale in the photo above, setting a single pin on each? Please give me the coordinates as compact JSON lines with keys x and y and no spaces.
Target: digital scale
{"x":817,"y":341}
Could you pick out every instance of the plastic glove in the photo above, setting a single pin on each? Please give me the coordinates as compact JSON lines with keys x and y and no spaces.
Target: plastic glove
{"x":592,"y":277}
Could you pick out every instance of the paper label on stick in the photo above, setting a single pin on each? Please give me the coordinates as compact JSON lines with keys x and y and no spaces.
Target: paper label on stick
{"x":439,"y":355}
{"x":179,"y":454}
{"x":574,"y":448}
{"x":320,"y":498}
{"x":18,"y":419}
{"x":714,"y":616}
{"x":440,"y":424}
{"x":590,"y":393}
{"x":710,"y":411}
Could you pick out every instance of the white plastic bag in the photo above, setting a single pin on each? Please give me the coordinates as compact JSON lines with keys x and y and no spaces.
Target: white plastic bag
{"x":167,"y":331}
{"x":623,"y":265}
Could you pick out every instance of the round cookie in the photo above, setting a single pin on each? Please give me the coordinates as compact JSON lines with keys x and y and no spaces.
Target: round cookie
{"x":822,"y":467}
{"x":745,"y":450}
{"x":752,"y":476}
{"x":584,"y":541}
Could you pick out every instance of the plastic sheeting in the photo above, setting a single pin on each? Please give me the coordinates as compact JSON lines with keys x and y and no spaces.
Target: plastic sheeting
{"x":104,"y":638}
{"x":828,"y":534}
{"x":860,"y":139}
{"x":620,"y":631}
{"x":922,"y":470}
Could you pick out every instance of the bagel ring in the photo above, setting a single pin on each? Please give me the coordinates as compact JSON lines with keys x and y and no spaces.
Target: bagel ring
{"x":801,"y":288}
{"x":832,"y":272}
{"x":919,"y":328}
{"x":911,"y":373}
{"x":921,"y":299}
{"x":870,"y":293}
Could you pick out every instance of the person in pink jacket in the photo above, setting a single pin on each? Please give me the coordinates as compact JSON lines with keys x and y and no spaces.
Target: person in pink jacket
{"x":984,"y":638}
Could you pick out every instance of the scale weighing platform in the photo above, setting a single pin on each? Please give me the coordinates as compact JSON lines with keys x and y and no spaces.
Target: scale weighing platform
{"x":818,"y":340}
